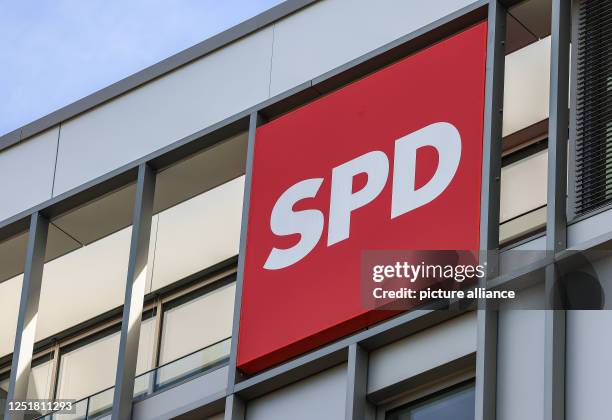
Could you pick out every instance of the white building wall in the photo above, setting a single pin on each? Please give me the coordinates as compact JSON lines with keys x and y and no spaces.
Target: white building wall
{"x":332,"y":32}
{"x":421,"y":352}
{"x":26,"y":173}
{"x":321,"y":396}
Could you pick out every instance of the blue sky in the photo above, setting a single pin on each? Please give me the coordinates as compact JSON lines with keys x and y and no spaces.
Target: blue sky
{"x":55,"y":52}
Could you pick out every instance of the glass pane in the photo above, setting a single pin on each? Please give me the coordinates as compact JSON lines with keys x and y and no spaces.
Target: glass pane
{"x":79,"y":414}
{"x":4,"y":383}
{"x":192,"y":364}
{"x":453,"y":405}
{"x":38,"y":385}
{"x":100,"y":404}
{"x":40,"y":380}
{"x":523,"y":186}
{"x":88,"y":369}
{"x":197,"y":323}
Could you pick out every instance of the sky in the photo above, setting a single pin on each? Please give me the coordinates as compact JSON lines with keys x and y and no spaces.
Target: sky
{"x":54,"y":52}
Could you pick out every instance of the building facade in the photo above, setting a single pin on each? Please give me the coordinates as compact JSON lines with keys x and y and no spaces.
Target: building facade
{"x":133,"y":245}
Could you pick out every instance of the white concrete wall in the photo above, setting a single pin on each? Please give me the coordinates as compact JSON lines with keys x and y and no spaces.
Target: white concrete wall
{"x":332,"y":32}
{"x":321,"y":396}
{"x":421,"y":352}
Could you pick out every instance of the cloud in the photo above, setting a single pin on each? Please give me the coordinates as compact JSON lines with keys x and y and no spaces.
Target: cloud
{"x":53,"y":53}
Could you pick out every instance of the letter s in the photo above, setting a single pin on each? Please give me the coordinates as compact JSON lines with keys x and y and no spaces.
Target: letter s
{"x":284,"y":221}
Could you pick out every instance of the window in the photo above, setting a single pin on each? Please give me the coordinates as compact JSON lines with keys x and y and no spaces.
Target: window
{"x":455,"y":404}
{"x":91,"y":367}
{"x":197,"y":323}
{"x":523,"y":192}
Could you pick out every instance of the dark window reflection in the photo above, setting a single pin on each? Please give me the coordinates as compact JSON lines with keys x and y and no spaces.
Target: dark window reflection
{"x":455,"y":404}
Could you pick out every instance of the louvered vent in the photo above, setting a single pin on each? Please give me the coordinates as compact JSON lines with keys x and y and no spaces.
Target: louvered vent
{"x":594,"y":106}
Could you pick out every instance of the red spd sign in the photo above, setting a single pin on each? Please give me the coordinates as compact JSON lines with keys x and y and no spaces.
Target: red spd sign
{"x":392,"y":161}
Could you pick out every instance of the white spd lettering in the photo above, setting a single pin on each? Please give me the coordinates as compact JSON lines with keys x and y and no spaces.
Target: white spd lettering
{"x":309,"y":224}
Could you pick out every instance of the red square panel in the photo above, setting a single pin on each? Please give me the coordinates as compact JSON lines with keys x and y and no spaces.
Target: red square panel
{"x":392,"y":161}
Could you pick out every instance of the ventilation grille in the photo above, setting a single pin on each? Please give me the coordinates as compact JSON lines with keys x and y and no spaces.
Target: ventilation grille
{"x":594,"y":106}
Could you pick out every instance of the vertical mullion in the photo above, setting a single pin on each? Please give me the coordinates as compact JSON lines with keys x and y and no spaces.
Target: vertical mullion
{"x":254,"y":120}
{"x":357,"y":406}
{"x":134,"y":293}
{"x":54,"y":371}
{"x":487,"y":318}
{"x":556,"y":223}
{"x":25,"y":333}
{"x":234,"y":408}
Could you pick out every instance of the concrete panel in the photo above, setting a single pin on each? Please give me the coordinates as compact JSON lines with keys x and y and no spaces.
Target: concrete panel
{"x":421,"y":352}
{"x":178,"y":104}
{"x":321,"y":396}
{"x":183,"y":398}
{"x":198,"y":233}
{"x":527,"y":86}
{"x":26,"y":173}
{"x":589,"y":364}
{"x":520,"y":360}
{"x":330,"y":33}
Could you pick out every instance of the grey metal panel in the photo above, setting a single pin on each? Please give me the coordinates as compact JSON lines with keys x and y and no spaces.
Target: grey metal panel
{"x":26,"y":173}
{"x":333,"y":32}
{"x":320,"y":397}
{"x":157,"y":70}
{"x":486,"y":353}
{"x":254,"y":120}
{"x":520,"y":363}
{"x":556,"y":224}
{"x":133,"y":302}
{"x":588,"y":229}
{"x":165,"y":110}
{"x":28,"y":313}
{"x":589,"y":364}
{"x":203,"y":392}
{"x":421,"y":352}
{"x":234,"y":408}
{"x":357,"y":406}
